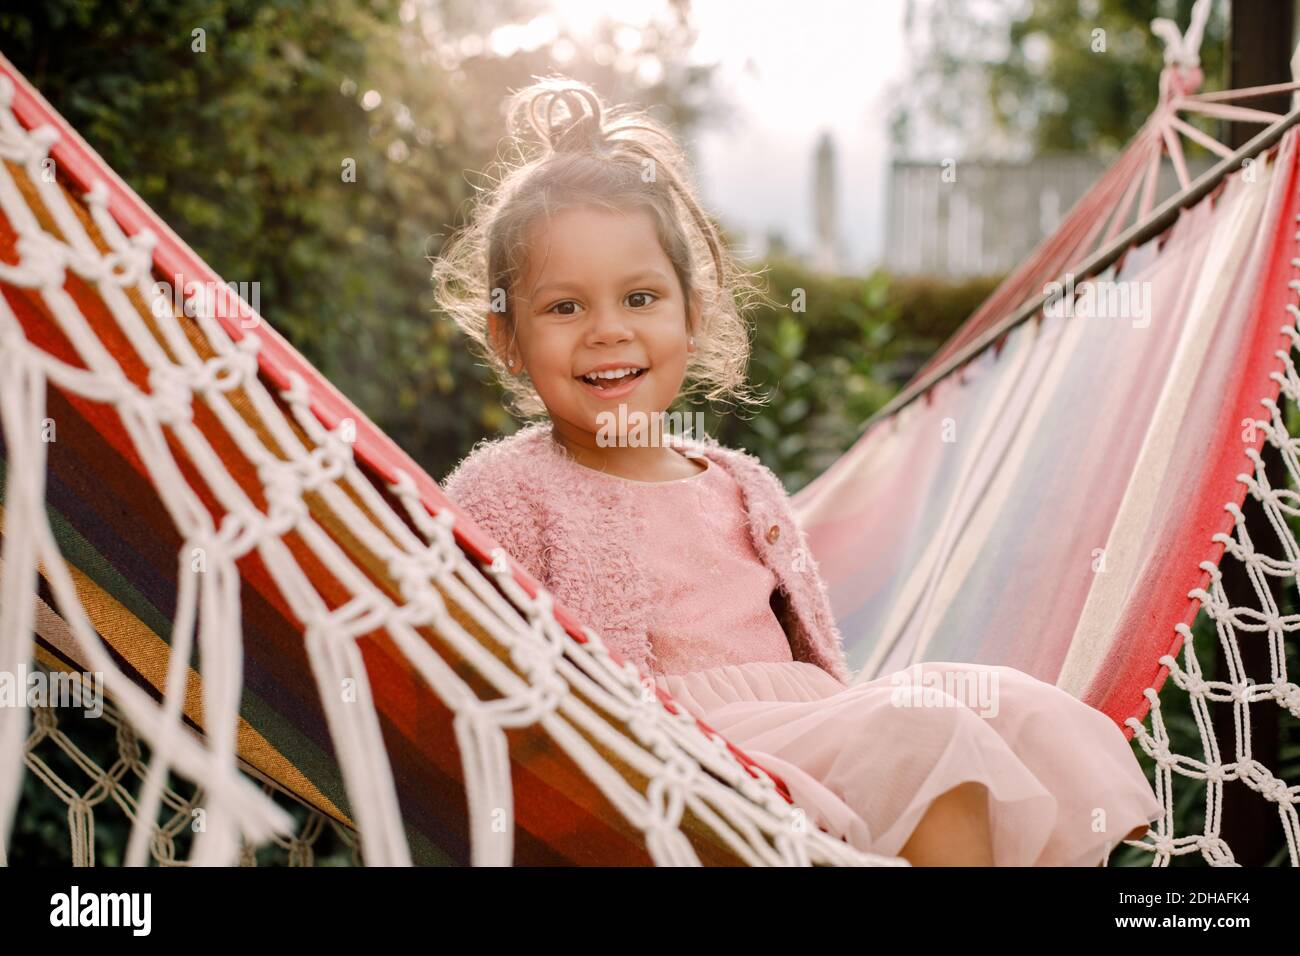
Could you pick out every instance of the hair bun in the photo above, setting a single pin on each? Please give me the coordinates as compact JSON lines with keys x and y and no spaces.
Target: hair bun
{"x":565,"y":114}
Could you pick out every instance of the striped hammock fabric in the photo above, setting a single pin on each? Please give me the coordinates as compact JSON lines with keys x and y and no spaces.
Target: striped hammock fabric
{"x":1061,"y":487}
{"x":270,"y":590}
{"x":1050,"y":506}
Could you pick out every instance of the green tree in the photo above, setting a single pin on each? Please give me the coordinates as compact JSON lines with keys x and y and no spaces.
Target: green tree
{"x":323,"y":150}
{"x":1001,"y":76}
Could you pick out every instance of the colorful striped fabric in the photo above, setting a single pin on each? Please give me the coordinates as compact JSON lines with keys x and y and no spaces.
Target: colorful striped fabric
{"x":122,"y":548}
{"x":1048,"y":505}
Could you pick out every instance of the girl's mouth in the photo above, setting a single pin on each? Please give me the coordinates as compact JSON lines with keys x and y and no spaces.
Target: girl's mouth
{"x":611,"y":388}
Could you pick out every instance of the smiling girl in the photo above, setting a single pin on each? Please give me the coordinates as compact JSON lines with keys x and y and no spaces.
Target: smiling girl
{"x":595,"y":286}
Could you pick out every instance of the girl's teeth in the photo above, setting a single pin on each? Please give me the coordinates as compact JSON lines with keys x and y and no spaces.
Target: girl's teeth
{"x":595,"y":377}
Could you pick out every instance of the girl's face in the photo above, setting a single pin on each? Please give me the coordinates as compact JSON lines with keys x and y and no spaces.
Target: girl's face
{"x":600,"y":294}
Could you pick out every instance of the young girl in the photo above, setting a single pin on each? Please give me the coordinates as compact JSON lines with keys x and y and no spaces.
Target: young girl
{"x":595,"y":286}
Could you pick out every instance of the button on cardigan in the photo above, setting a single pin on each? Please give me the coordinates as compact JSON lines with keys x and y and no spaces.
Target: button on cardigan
{"x":573,"y":530}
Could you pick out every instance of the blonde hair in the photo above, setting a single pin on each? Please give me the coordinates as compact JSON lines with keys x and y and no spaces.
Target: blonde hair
{"x":619,"y":159}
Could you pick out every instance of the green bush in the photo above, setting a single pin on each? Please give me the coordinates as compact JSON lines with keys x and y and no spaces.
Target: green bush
{"x":829,"y":353}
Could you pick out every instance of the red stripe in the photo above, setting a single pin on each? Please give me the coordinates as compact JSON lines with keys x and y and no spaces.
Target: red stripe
{"x":1145,"y":632}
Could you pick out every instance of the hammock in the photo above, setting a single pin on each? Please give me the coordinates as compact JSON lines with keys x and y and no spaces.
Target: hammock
{"x":1061,"y":490}
{"x":289,"y":614}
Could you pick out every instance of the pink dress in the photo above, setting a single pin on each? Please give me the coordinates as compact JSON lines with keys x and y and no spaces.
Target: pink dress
{"x":865,"y":760}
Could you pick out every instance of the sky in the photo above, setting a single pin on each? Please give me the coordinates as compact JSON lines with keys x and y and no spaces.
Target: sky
{"x":792,"y":70}
{"x":817,"y":65}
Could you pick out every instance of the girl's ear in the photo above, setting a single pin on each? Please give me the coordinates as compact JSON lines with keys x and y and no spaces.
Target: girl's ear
{"x":501,"y":337}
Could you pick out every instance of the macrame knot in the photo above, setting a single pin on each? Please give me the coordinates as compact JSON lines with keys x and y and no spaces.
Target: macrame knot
{"x":1288,"y":695}
{"x":169,"y":395}
{"x":125,"y":268}
{"x":43,"y":260}
{"x":283,"y":485}
{"x":413,"y":574}
{"x":1183,"y":49}
{"x":1182,"y":74}
{"x":231,"y":370}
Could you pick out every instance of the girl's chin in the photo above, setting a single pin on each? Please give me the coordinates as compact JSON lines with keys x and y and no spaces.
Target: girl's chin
{"x":632,"y":428}
{"x":617,"y":418}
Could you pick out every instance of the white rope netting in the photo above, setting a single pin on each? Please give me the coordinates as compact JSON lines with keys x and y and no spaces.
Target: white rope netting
{"x":1267,"y":555}
{"x":96,"y":769}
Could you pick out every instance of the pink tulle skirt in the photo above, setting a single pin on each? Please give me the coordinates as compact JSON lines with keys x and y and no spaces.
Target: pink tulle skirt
{"x":864,"y":761}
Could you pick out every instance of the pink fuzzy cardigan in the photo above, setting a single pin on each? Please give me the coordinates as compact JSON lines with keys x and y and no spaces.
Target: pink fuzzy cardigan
{"x":573,"y":532}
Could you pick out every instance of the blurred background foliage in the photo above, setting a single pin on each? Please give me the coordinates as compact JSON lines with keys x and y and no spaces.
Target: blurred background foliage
{"x":1019,"y":78}
{"x":1048,"y":91}
{"x":826,"y":368}
{"x":240,"y":149}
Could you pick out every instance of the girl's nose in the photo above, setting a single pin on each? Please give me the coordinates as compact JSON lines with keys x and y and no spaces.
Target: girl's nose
{"x":608,"y":325}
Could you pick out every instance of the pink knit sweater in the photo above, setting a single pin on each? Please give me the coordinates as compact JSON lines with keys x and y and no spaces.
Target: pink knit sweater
{"x":575,"y":530}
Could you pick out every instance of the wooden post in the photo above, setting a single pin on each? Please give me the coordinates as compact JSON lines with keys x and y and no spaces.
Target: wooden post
{"x":1260,"y":46}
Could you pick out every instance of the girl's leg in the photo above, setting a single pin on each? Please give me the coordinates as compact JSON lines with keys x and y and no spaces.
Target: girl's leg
{"x":1135,"y":834}
{"x":954,"y":830}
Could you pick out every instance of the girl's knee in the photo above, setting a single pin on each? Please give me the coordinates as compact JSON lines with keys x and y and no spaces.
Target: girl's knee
{"x":971,"y":797}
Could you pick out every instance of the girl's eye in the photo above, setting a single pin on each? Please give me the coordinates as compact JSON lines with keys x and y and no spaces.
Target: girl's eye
{"x":649,"y":298}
